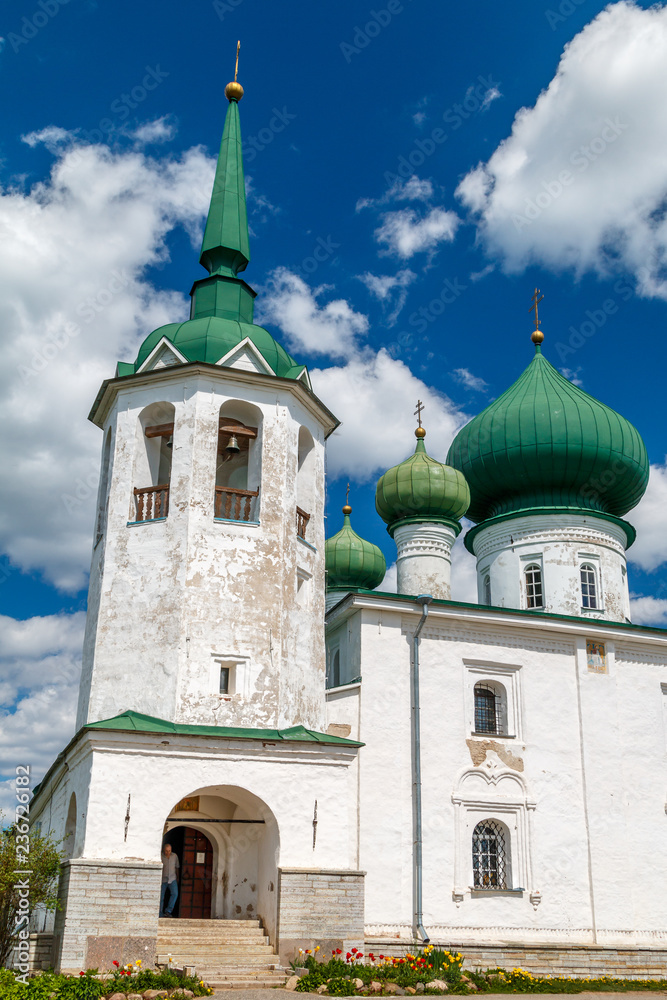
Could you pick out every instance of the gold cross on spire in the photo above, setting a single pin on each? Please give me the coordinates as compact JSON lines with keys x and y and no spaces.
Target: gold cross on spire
{"x":537,"y":335}
{"x":347,"y":494}
{"x":234,"y":90}
{"x":236,"y":68}
{"x":418,"y":411}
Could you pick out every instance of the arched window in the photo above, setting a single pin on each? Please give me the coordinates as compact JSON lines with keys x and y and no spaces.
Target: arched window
{"x":238,"y":462}
{"x":534,"y":590}
{"x":487,"y":709}
{"x":333,"y":673}
{"x":589,"y":590}
{"x":70,"y":827}
{"x":152,"y":462}
{"x":487,"y":589}
{"x":305,"y":481}
{"x":103,"y":496}
{"x":490,"y":855}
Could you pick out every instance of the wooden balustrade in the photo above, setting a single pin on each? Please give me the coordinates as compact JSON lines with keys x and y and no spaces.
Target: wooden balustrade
{"x":302,"y":520}
{"x":152,"y":502}
{"x":234,"y":505}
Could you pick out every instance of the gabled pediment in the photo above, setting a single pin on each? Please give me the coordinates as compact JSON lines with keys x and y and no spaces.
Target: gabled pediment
{"x":163,"y":355}
{"x":246,"y":357}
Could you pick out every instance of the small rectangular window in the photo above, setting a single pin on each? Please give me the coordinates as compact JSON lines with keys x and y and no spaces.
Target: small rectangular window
{"x":224,"y":680}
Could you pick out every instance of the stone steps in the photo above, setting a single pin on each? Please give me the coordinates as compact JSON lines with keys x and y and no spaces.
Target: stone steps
{"x":227,"y":954}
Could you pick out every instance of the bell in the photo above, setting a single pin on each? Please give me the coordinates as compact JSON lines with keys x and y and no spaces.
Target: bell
{"x":233,"y":446}
{"x":169,"y":443}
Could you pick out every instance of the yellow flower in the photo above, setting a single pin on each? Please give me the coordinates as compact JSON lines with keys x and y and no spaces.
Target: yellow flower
{"x":317,"y":948}
{"x":137,"y":961}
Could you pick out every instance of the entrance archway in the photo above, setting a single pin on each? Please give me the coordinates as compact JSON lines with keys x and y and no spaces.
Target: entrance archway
{"x":195,"y":854}
{"x":242,"y":857}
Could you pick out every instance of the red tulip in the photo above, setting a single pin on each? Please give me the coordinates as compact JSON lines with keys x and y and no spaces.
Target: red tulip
{"x":354,"y":951}
{"x":115,"y":962}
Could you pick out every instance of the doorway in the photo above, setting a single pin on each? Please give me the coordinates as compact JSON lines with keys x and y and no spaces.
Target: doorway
{"x":195,"y":854}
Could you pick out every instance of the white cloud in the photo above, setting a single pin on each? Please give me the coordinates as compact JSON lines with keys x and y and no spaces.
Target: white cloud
{"x":158,"y":131}
{"x":292,"y":305}
{"x":580,"y":183}
{"x":478,"y":275}
{"x":52,"y":137}
{"x":490,"y":96}
{"x":75,"y":300}
{"x":650,"y":519}
{"x":375,"y":395}
{"x":388,"y":585}
{"x":573,"y":375}
{"x":40,"y":665}
{"x":465,"y":377}
{"x":412,"y":189}
{"x":405,"y":234}
{"x":464,"y":571}
{"x":648,"y":611}
{"x":391,"y":290}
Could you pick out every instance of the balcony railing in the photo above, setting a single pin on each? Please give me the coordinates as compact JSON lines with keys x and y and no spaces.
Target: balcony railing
{"x":152,"y":502}
{"x":234,"y":505}
{"x":302,"y":520}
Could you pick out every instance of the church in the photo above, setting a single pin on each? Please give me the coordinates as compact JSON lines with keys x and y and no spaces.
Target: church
{"x":334,"y":765}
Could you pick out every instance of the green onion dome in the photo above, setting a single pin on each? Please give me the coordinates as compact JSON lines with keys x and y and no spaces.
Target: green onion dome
{"x":547,"y":443}
{"x":351,"y":561}
{"x":422,"y":489}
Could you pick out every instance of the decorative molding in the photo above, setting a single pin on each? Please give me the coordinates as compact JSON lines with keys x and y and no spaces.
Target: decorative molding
{"x":256,"y":362}
{"x":543,"y":529}
{"x":162,"y":348}
{"x":639,"y":654}
{"x":433,"y":631}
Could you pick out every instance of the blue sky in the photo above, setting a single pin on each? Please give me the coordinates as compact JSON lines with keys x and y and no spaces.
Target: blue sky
{"x":403,"y":207}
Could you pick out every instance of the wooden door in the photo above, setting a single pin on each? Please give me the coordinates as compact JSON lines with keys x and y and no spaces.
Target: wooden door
{"x":196,"y":875}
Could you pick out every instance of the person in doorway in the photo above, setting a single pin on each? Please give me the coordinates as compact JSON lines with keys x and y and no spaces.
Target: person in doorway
{"x":169,"y":891}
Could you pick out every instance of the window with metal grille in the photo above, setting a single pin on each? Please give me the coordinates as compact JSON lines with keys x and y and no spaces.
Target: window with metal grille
{"x":489,"y":855}
{"x":534,"y":595}
{"x":487,"y":590}
{"x":487,"y":709}
{"x":589,"y":592}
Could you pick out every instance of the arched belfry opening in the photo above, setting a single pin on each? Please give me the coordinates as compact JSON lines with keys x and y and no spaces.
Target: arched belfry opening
{"x":152,"y":462}
{"x":69,"y":840}
{"x":238,"y":462}
{"x":227,"y":842}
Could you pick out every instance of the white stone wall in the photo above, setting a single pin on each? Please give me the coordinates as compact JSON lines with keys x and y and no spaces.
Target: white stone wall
{"x":424,"y":559}
{"x":171,"y":599}
{"x":580,"y":786}
{"x":560,"y":544}
{"x":135,"y":781}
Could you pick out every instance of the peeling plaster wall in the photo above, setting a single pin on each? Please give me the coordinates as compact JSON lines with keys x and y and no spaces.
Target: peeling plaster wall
{"x":560,"y":543}
{"x":168,"y":597}
{"x":424,"y":560}
{"x":580,"y":787}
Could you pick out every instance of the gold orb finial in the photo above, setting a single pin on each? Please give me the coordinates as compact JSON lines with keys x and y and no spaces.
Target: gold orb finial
{"x":234,"y":91}
{"x":347,"y":510}
{"x":420,"y":432}
{"x":536,"y":336}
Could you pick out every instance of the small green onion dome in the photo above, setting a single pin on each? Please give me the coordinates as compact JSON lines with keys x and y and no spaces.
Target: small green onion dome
{"x":547,"y":443}
{"x":351,"y":561}
{"x":422,"y":489}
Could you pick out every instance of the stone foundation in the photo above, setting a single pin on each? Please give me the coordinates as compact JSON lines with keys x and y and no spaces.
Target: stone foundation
{"x":548,"y":960}
{"x":319,"y":907}
{"x":40,"y":955}
{"x":109,"y":910}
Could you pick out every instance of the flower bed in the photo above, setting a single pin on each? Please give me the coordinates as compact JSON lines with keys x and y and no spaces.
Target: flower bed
{"x":433,"y":970}
{"x":90,"y":985}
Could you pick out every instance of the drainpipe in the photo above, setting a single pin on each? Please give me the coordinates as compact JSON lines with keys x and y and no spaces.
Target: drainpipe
{"x":424,"y":600}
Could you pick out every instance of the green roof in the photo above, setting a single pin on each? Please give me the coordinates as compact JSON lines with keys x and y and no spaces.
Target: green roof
{"x":545,"y":443}
{"x":422,"y":489}
{"x":222,"y":308}
{"x":130,"y":721}
{"x":351,"y":561}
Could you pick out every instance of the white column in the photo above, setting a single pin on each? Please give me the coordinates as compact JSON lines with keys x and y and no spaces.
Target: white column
{"x":424,"y":560}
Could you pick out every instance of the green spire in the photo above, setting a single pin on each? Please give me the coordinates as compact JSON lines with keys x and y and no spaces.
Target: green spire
{"x":226,"y":248}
